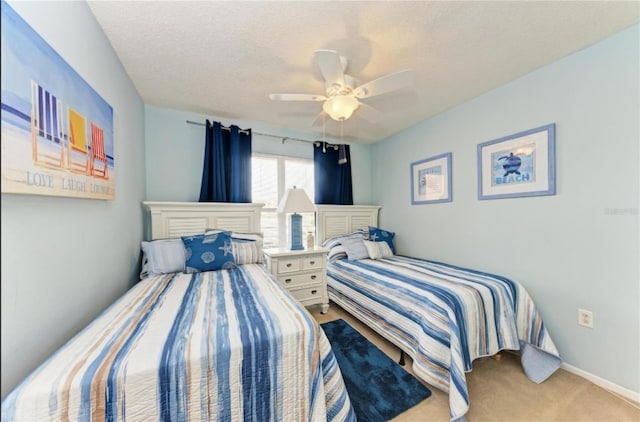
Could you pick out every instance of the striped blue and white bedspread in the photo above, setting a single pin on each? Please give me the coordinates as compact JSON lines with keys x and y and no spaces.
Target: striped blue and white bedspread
{"x":228,"y":345}
{"x":444,"y":317}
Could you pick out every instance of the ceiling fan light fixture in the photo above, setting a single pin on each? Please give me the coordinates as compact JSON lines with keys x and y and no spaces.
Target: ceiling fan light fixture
{"x":342,"y":95}
{"x":340,"y":107}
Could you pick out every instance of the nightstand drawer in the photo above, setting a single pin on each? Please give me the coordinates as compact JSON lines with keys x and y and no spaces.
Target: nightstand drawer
{"x":303,"y":273}
{"x":298,"y":279}
{"x":288,"y":265}
{"x":312,"y":263}
{"x":309,"y":293}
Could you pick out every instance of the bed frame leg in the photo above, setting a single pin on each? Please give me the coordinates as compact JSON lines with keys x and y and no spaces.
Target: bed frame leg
{"x":401,"y":361}
{"x":496,"y":357}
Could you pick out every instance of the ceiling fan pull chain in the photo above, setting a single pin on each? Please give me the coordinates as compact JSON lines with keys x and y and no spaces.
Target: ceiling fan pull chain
{"x":342,"y":150}
{"x":324,"y":142}
{"x":342,"y":154}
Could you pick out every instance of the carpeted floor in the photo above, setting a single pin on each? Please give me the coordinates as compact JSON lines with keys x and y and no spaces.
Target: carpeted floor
{"x":500,"y":391}
{"x":379,"y":388}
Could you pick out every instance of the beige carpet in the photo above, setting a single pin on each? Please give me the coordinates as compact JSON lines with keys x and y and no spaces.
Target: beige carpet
{"x":500,"y":391}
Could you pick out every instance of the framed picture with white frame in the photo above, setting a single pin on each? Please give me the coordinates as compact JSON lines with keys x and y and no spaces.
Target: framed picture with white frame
{"x":431,"y":180}
{"x":518,"y":165}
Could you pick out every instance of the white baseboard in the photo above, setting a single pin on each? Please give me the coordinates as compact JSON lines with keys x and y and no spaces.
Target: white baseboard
{"x":607,"y":385}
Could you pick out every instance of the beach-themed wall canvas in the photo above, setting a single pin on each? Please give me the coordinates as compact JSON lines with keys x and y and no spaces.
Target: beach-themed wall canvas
{"x":57,"y":131}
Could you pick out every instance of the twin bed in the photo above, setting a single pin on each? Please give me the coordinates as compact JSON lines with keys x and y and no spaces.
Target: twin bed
{"x":443,"y":316}
{"x":232,"y":344}
{"x":222,"y":345}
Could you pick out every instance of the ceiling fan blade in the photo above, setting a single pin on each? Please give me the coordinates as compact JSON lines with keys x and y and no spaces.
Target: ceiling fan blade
{"x":384,"y":84}
{"x":330,"y":66}
{"x":297,"y":97}
{"x":320,"y":119}
{"x":369,"y":113}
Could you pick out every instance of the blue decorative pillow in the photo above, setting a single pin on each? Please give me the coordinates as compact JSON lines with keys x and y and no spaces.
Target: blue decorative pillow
{"x":376,"y":234}
{"x":208,"y":252}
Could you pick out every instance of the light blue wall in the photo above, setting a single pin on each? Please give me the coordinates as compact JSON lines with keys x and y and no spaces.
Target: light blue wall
{"x":64,"y":260}
{"x":175,"y":153}
{"x":577,"y":249}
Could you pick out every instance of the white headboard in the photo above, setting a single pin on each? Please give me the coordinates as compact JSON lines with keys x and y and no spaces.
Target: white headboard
{"x":333,"y":220}
{"x":175,"y":219}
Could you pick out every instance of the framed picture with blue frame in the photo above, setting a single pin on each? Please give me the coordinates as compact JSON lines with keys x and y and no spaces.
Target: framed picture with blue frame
{"x":518,"y":165}
{"x":431,"y":180}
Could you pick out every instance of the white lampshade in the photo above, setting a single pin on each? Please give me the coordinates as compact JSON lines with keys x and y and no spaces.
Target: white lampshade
{"x":295,"y":201}
{"x":340,"y":107}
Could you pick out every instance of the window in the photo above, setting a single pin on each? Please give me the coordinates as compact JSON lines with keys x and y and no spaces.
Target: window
{"x":271,"y":177}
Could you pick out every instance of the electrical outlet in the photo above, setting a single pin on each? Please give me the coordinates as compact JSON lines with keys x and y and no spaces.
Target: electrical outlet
{"x":585,"y":318}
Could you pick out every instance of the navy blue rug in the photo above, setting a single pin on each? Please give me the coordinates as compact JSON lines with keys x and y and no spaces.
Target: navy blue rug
{"x":379,"y":388}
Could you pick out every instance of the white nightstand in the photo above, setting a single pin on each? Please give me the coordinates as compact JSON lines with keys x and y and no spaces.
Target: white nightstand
{"x":303,"y":273}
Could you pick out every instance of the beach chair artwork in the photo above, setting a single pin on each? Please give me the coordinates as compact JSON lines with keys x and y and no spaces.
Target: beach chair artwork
{"x":77,"y":152}
{"x":72,"y":151}
{"x":98,"y":166}
{"x":57,"y":130}
{"x":47,"y":128}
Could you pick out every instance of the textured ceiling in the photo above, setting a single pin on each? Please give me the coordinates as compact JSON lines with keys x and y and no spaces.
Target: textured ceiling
{"x":223,"y":59}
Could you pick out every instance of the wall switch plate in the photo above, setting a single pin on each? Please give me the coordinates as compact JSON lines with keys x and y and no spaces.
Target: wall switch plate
{"x":585,"y":318}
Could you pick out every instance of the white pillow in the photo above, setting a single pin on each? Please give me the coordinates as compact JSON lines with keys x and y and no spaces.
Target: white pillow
{"x":355,"y":249}
{"x":162,"y":257}
{"x":378,"y":250}
{"x":334,"y":244}
{"x":337,"y":240}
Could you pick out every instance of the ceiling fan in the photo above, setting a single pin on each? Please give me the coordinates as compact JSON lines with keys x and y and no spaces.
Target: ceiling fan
{"x":342,"y":96}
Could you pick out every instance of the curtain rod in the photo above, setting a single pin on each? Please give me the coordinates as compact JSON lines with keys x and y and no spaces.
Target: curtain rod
{"x":284,"y":138}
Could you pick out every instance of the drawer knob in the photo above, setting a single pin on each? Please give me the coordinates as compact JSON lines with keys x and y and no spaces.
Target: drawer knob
{"x":312,"y":262}
{"x":313,"y":292}
{"x":287,"y":280}
{"x":288,"y":265}
{"x":313,"y":277}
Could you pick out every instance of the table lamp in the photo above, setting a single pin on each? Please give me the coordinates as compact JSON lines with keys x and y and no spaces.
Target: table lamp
{"x":295,"y":201}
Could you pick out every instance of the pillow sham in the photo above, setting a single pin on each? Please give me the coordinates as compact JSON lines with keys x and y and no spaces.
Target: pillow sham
{"x":247,"y":251}
{"x":239,"y":235}
{"x":337,"y":240}
{"x":334,"y":244}
{"x":355,"y":249}
{"x":378,"y":235}
{"x":377,"y":250}
{"x":208,"y":252}
{"x":246,"y":246}
{"x":337,"y":252}
{"x":247,"y":236}
{"x":162,"y":256}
